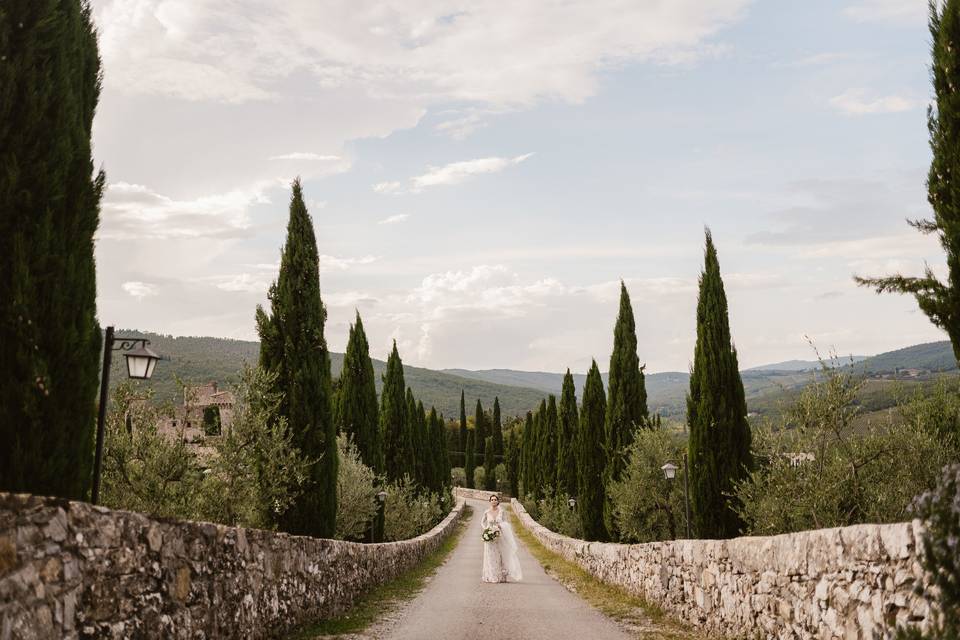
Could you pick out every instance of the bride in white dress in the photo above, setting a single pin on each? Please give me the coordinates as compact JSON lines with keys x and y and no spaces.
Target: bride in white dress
{"x":500,"y":560}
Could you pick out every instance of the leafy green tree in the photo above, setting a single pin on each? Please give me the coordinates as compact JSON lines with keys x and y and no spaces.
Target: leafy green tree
{"x":938,"y":300}
{"x":489,"y":466}
{"x":397,"y":442}
{"x":357,"y":410}
{"x":591,"y":457}
{"x":720,"y":436}
{"x":471,"y":460}
{"x":293,"y":348}
{"x":497,"y":428}
{"x":480,"y":424}
{"x":49,"y":212}
{"x":463,"y":431}
{"x":512,"y":462}
{"x":356,"y":493}
{"x":567,"y":426}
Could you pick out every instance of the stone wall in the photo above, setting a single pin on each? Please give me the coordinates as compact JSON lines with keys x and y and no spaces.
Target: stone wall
{"x":72,"y":570}
{"x":475,"y":494}
{"x":850,"y":582}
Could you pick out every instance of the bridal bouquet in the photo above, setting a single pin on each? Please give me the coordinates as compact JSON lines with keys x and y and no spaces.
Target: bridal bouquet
{"x":490,"y":534}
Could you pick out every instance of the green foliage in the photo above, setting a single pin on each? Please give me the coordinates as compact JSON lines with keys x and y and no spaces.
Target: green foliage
{"x":357,"y":413}
{"x":479,"y":477}
{"x":719,"y":442}
{"x":293,"y":348}
{"x":408,"y":513}
{"x":458,"y":477}
{"x":527,"y":446}
{"x":356,"y":492}
{"x":471,"y":466}
{"x":512,"y":463}
{"x":567,"y":419}
{"x":480,"y":424}
{"x":591,"y":458}
{"x":142,"y":469}
{"x":489,"y":466}
{"x":397,"y":444}
{"x":255,"y":472}
{"x":463,"y":430}
{"x":497,"y":428}
{"x":49,"y":212}
{"x":818,"y":471}
{"x":554,"y":513}
{"x":936,"y":412}
{"x":548,"y":445}
{"x":211,"y":420}
{"x":645,"y":505}
{"x":938,"y":300}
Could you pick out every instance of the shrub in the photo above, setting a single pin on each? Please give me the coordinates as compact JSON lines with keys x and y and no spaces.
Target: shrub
{"x":457,"y":477}
{"x":356,"y":492}
{"x":554,"y":513}
{"x":646,"y":506}
{"x":408,"y":513}
{"x":937,"y":413}
{"x":479,"y":477}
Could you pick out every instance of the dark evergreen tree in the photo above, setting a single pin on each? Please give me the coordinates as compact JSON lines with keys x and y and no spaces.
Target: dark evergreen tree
{"x":549,"y":446}
{"x":940,"y":301}
{"x":439,"y":468}
{"x":397,"y":443}
{"x":415,"y":460}
{"x":471,"y":463}
{"x":527,"y":456}
{"x":591,"y":458}
{"x":357,"y":412}
{"x":49,"y":212}
{"x":719,"y":444}
{"x":462,"y":456}
{"x":480,"y":424}
{"x":567,"y":427}
{"x":489,"y":466}
{"x":539,"y":478}
{"x":497,"y":428}
{"x":293,"y":347}
{"x":512,"y":461}
{"x":424,"y":448}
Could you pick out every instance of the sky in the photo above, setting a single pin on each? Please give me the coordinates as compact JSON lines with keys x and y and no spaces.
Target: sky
{"x":482,"y":175}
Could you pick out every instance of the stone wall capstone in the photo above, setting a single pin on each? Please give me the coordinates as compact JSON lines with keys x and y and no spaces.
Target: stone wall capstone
{"x":475,"y":494}
{"x":850,"y":582}
{"x":74,"y":570}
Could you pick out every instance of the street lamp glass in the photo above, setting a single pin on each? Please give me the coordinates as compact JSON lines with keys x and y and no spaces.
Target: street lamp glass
{"x":669,"y":470}
{"x":141,"y":363}
{"x":572,"y":502}
{"x":382,"y":496}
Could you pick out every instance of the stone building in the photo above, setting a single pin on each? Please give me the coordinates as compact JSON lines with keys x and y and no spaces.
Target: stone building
{"x":206,"y":413}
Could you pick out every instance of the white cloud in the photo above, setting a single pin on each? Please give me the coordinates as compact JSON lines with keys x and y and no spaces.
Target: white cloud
{"x":333,"y":263}
{"x":400,"y":217}
{"x":139,"y":290}
{"x":457,"y":172}
{"x":388,"y":187}
{"x":305,"y":155}
{"x":208,"y":50}
{"x":902,"y":11}
{"x":856,"y":102}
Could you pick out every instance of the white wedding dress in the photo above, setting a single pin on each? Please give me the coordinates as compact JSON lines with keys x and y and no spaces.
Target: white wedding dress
{"x":500,"y":559}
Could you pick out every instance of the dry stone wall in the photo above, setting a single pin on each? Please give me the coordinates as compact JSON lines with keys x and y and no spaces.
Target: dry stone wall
{"x":851,"y":582}
{"x":73,"y":570}
{"x":476,"y":494}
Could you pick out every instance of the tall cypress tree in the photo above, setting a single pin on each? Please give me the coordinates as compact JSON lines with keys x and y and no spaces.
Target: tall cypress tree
{"x":462,"y":457}
{"x":489,"y":466}
{"x":439,"y":468}
{"x":497,"y":428}
{"x":414,"y":468}
{"x":940,"y":301}
{"x":49,"y":212}
{"x":480,"y":424}
{"x":357,"y":413}
{"x":527,"y":456}
{"x":567,"y":427}
{"x":512,"y":461}
{"x":422,"y":448}
{"x":393,"y":420}
{"x":471,"y":464}
{"x":548,"y":445}
{"x":539,"y":478}
{"x":293,"y":347}
{"x":591,"y":457}
{"x":719,"y":444}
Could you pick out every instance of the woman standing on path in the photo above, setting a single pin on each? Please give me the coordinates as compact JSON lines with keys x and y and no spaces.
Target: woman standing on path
{"x":500,"y":560}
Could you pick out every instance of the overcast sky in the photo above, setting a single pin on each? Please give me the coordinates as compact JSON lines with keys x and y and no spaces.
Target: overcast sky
{"x":482,"y":174}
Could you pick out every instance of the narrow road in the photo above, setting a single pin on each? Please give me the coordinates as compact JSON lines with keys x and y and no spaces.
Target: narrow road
{"x":456,"y":605}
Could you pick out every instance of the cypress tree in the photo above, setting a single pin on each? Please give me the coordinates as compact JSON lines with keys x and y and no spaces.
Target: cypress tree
{"x":293,"y":347}
{"x":497,"y":428}
{"x":415,"y":458}
{"x":512,"y":462}
{"x":539,"y":478}
{"x":425,"y":447}
{"x":393,"y":420}
{"x":489,"y":466}
{"x":591,"y":457}
{"x":940,"y":301}
{"x":49,"y":212}
{"x":462,"y":457}
{"x":471,"y":463}
{"x":439,"y":468}
{"x":480,"y":424}
{"x":527,"y":456}
{"x":567,"y":427}
{"x":357,"y":410}
{"x":719,"y":444}
{"x":548,"y":445}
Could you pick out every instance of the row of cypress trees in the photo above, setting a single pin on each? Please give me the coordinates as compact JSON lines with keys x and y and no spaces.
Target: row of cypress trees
{"x":484,"y":443}
{"x":566,"y":451}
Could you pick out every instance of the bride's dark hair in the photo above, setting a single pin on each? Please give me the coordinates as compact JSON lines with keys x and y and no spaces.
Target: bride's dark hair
{"x":492,"y":497}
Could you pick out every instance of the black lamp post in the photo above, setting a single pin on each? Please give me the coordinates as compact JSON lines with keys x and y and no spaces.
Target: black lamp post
{"x":572,"y":503}
{"x":670,"y":472}
{"x":381,"y":502}
{"x":141,"y":362}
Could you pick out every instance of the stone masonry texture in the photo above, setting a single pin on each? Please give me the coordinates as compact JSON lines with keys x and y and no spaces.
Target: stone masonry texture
{"x":851,"y":582}
{"x":73,"y":570}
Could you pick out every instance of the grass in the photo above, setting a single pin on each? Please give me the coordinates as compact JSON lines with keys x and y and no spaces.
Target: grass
{"x":632,"y":612}
{"x":387,"y":597}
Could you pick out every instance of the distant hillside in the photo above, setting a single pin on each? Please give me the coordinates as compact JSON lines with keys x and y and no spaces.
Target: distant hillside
{"x":204,"y":359}
{"x":932,"y":356}
{"x":801,"y":365}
